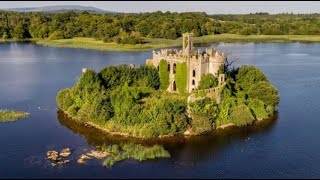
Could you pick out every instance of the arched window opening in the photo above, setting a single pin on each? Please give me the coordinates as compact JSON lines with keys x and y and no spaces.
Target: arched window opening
{"x":174,"y":68}
{"x":168,"y":67}
{"x":193,"y":82}
{"x":194,"y":73}
{"x":174,"y":87}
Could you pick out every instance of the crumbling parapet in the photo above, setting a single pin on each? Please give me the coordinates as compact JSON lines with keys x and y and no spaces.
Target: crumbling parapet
{"x":84,"y":70}
{"x":221,"y":79}
{"x":132,"y":66}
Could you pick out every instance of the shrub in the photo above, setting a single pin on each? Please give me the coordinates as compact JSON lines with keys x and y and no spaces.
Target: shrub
{"x":58,"y":34}
{"x":258,"y":108}
{"x":265,"y":92}
{"x":5,"y":35}
{"x":204,"y":107}
{"x":64,"y":100}
{"x":146,"y":76}
{"x":248,"y":76}
{"x":207,"y":81}
{"x":241,"y":115}
{"x":114,"y":76}
{"x":201,"y":124}
{"x":181,"y":77}
{"x":225,"y":108}
{"x":163,"y":74}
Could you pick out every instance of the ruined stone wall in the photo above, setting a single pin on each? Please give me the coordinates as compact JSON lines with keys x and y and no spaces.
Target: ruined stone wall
{"x":215,"y":63}
{"x":198,"y":62}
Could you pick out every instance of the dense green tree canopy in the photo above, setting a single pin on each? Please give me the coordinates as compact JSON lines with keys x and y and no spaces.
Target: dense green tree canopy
{"x":208,"y":81}
{"x":126,"y":100}
{"x":129,"y":28}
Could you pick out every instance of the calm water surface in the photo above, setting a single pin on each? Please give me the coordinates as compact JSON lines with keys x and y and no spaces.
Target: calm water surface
{"x":285,"y":146}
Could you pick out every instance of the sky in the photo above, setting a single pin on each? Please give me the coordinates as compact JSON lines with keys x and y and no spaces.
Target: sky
{"x":210,"y":7}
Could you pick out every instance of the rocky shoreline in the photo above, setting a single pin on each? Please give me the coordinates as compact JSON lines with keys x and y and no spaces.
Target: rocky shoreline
{"x":61,"y":158}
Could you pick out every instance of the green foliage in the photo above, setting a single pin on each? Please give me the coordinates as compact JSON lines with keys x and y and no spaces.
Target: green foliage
{"x":127,"y":38}
{"x":265,"y":92}
{"x":248,"y":95}
{"x":64,"y":99}
{"x":258,"y":108}
{"x":87,"y":100}
{"x":181,"y":77}
{"x":128,"y":103}
{"x":241,"y":115}
{"x":146,"y":76}
{"x":163,"y":74}
{"x":19,"y":31}
{"x":58,"y":34}
{"x":114,"y":76}
{"x":134,"y":151}
{"x":120,"y":99}
{"x":10,"y":115}
{"x":204,"y":107}
{"x":207,"y":81}
{"x":201,"y":124}
{"x":204,"y":112}
{"x":248,"y":76}
{"x":5,"y":35}
{"x":130,"y":28}
{"x":124,"y":101}
{"x":224,"y":110}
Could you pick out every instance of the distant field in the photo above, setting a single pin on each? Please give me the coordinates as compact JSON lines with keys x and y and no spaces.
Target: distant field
{"x":91,"y":43}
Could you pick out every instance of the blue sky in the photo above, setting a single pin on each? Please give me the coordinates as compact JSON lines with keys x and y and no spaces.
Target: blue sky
{"x":210,"y":7}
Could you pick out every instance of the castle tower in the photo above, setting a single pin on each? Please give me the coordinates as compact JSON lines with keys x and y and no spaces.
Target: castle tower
{"x":187,"y":44}
{"x":187,"y":49}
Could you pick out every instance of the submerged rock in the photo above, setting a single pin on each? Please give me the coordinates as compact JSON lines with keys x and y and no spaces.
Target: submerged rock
{"x":60,"y":162}
{"x":53,"y":155}
{"x":65,"y":152}
{"x":83,"y":159}
{"x":187,"y":132}
{"x":98,"y":154}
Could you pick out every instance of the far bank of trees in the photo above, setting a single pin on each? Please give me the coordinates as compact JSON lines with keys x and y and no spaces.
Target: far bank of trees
{"x":130,"y":28}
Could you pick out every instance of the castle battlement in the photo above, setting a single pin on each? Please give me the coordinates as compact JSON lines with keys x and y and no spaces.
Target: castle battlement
{"x":210,"y":54}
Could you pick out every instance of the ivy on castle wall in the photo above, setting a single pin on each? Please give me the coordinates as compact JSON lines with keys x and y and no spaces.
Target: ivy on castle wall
{"x":163,"y":74}
{"x":181,"y":77}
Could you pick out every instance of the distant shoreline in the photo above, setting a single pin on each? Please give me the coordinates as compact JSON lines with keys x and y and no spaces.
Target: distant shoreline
{"x":150,"y":44}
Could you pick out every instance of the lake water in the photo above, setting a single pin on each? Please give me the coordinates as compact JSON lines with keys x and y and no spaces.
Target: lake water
{"x":286,"y":146}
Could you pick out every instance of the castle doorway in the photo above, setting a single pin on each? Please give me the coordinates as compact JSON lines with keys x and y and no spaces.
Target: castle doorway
{"x":174,"y":87}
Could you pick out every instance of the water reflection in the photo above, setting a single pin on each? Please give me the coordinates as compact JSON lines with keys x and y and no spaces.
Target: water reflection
{"x":178,"y":146}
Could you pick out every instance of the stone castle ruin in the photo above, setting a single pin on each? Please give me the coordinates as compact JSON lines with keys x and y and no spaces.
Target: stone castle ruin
{"x":198,"y":63}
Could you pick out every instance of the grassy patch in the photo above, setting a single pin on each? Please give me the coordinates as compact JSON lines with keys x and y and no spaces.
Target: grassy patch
{"x":17,"y":40}
{"x":10,"y":115}
{"x":133,"y":151}
{"x":91,"y":43}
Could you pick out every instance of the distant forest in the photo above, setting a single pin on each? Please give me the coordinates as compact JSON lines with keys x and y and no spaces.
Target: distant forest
{"x":131,"y":28}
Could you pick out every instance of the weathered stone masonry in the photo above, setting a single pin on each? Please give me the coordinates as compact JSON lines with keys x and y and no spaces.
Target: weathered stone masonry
{"x":198,"y":62}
